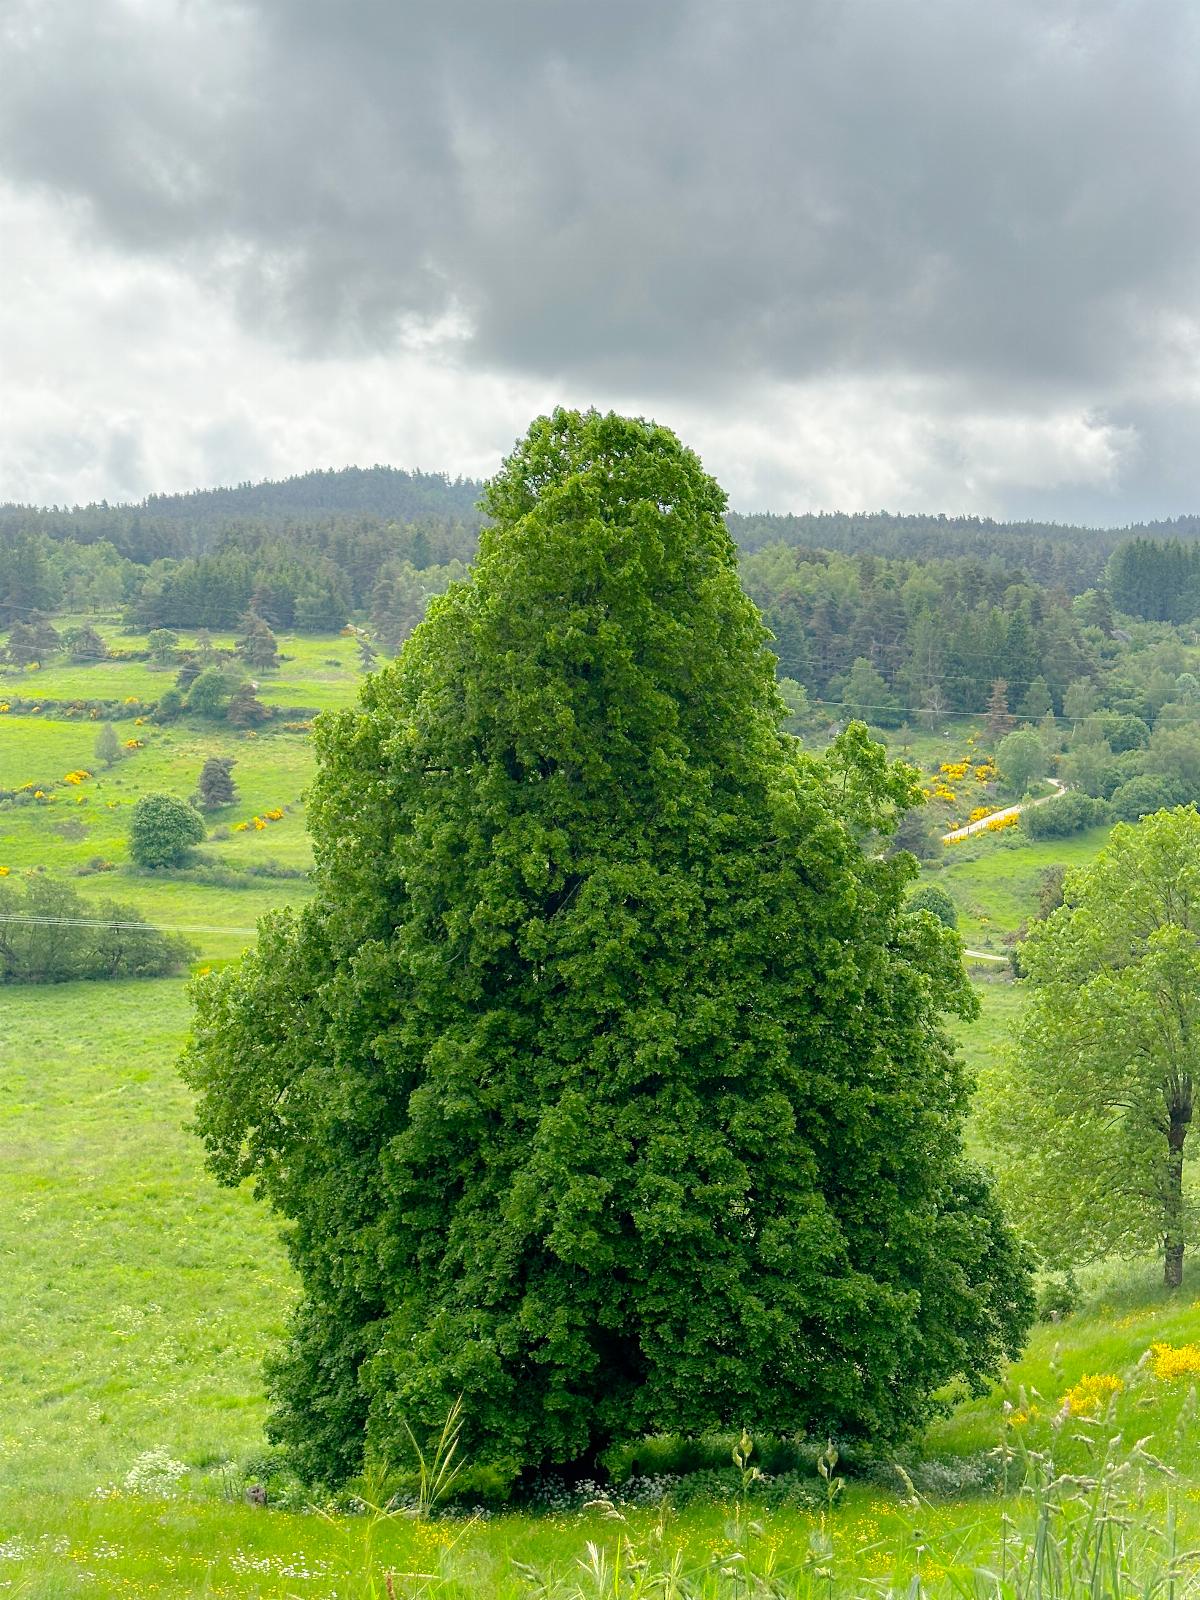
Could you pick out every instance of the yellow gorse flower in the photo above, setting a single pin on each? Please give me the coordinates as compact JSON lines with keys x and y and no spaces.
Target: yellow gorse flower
{"x":1092,"y":1393}
{"x":1175,"y":1361}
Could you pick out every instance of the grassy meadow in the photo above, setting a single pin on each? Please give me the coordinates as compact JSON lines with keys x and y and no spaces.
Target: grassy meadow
{"x":137,"y":1298}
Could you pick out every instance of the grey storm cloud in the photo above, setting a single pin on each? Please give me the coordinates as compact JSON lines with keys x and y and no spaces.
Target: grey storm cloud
{"x":669,"y":193}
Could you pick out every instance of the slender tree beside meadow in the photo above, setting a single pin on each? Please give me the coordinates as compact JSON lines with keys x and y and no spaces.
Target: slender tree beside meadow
{"x":604,"y":1080}
{"x":1095,"y":1106}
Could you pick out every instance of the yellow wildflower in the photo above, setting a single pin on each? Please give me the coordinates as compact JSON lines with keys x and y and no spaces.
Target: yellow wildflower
{"x":1092,"y":1393}
{"x":1175,"y":1361}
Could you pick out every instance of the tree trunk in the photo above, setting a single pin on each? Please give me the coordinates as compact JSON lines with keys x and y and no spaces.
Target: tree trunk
{"x":1181,"y":1116}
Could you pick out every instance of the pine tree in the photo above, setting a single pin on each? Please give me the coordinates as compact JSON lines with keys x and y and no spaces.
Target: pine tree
{"x":999,"y":721}
{"x":258,"y":646}
{"x":216,"y":787}
{"x":245,"y":709}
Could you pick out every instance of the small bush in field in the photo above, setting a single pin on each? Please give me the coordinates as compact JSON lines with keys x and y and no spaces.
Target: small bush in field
{"x":163,"y":831}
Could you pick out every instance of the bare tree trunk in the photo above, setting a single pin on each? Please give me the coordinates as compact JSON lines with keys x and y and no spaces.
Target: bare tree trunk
{"x":1181,"y":1116}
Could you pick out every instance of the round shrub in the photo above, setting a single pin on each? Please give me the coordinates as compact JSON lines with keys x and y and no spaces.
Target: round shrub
{"x":930,"y":897}
{"x":163,"y":831}
{"x":1068,"y":814}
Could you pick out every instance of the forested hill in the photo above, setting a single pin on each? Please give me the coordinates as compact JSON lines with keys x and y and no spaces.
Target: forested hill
{"x":178,"y":525}
{"x":1052,"y":552}
{"x":188,"y":524}
{"x":387,"y":492}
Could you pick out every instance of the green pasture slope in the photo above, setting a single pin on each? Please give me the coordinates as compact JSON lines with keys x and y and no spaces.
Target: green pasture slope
{"x":137,"y":1298}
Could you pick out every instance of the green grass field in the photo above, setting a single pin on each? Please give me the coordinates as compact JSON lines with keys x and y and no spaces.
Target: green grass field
{"x":137,"y":1298}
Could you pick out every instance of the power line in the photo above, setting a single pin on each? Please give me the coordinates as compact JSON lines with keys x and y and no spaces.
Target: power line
{"x":100,"y":922}
{"x":932,"y":711}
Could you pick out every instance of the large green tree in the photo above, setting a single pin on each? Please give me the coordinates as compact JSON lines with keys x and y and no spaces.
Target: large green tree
{"x":603,"y":1079}
{"x":1095,"y":1106}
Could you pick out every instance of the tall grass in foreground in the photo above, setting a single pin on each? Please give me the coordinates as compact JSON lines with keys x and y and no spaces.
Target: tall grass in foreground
{"x":1106,"y":1533}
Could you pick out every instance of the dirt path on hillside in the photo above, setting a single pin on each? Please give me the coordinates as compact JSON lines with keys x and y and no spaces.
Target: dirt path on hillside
{"x":968,"y":828}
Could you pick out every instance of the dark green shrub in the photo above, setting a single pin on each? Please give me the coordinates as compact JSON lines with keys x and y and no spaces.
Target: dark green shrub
{"x":216,"y":787}
{"x":163,"y":831}
{"x":1069,"y":813}
{"x":209,"y":694}
{"x":168,"y":706}
{"x":1149,"y":792}
{"x":932,"y":897}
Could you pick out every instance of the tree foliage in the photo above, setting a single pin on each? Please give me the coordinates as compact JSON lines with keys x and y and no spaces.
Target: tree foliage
{"x":603,"y":1081}
{"x":163,"y":831}
{"x":216,"y":787}
{"x":108,"y":747}
{"x":1021,"y":759}
{"x":257,"y":647}
{"x":209,"y":692}
{"x":245,"y":709}
{"x":1095,"y":1107}
{"x":50,"y":934}
{"x":1069,"y":813}
{"x":932,"y":897}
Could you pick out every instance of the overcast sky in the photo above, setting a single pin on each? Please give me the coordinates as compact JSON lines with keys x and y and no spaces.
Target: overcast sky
{"x":915,"y":254}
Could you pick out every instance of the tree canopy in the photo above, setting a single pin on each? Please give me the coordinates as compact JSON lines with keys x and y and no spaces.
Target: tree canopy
{"x":1095,"y":1107}
{"x":163,"y":831}
{"x":603,"y":1081}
